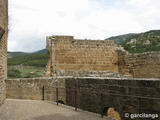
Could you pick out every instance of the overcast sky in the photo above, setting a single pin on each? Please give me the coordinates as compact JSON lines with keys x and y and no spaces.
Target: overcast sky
{"x":30,"y":21}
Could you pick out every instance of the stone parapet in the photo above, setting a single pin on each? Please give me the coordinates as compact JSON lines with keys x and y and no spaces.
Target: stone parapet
{"x":94,"y":94}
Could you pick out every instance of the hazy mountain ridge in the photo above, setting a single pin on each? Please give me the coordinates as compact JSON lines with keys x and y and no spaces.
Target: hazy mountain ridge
{"x":13,"y":54}
{"x":43,"y":51}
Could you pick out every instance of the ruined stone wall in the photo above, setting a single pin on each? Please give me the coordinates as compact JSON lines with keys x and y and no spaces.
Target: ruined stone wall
{"x":95,"y":94}
{"x":3,"y":46}
{"x":85,"y":58}
{"x":70,"y":57}
{"x":143,"y":65}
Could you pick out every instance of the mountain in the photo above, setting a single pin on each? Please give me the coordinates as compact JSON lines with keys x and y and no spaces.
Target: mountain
{"x":139,"y":43}
{"x":13,"y":54}
{"x":38,"y":58}
{"x":21,"y":64}
{"x":121,"y":38}
{"x":43,"y":51}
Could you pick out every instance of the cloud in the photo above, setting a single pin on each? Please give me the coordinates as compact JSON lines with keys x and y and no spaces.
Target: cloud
{"x":32,"y":20}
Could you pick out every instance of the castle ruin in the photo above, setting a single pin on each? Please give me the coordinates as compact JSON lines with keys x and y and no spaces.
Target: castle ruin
{"x":88,"y":63}
{"x":82,"y":58}
{"x":72,"y":57}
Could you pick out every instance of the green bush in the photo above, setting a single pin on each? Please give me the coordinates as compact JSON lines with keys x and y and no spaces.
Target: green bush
{"x":14,"y":74}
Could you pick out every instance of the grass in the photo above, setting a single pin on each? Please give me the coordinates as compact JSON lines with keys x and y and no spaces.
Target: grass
{"x":25,"y":71}
{"x":39,"y":60}
{"x":27,"y":66}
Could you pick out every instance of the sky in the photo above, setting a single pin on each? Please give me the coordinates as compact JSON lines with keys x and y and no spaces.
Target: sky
{"x":30,"y":21}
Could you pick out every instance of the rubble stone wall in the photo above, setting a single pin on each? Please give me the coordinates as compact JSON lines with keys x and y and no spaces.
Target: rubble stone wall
{"x":71,"y":57}
{"x":144,"y":65}
{"x":86,"y":58}
{"x":3,"y":47}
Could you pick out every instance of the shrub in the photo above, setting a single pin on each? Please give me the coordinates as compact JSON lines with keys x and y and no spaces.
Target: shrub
{"x":14,"y":73}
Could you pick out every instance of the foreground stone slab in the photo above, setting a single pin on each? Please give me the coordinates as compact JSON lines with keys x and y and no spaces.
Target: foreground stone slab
{"x":39,"y":110}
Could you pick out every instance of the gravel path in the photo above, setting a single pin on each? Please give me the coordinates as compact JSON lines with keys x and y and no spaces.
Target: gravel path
{"x":39,"y":110}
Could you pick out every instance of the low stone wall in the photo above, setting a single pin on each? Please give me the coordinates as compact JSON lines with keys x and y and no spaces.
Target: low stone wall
{"x":125,"y":95}
{"x":35,"y":88}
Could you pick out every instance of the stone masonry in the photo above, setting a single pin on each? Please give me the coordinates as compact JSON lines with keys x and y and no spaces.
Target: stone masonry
{"x":33,"y":88}
{"x":86,"y":58}
{"x":144,"y":65}
{"x":72,"y":57}
{"x":3,"y":47}
{"x":95,"y":94}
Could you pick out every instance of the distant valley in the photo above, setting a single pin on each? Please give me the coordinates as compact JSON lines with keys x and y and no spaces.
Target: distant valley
{"x":26,"y":65}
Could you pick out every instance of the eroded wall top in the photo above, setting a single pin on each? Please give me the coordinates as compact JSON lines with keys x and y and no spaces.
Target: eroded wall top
{"x":75,"y":57}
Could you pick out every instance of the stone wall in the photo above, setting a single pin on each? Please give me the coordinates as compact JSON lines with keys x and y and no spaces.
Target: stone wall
{"x":95,"y":94}
{"x":35,"y":88}
{"x":144,"y":65}
{"x":3,"y":46}
{"x":125,"y":95}
{"x":86,"y":58}
{"x":72,"y":57}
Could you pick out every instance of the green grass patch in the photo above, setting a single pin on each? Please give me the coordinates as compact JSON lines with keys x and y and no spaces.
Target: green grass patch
{"x":27,"y":66}
{"x":37,"y":60}
{"x":25,"y":71}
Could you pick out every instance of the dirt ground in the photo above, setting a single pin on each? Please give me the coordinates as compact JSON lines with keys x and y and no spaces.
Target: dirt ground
{"x":39,"y":110}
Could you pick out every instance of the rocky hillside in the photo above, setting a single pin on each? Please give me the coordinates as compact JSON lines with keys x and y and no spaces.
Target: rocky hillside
{"x":121,"y":38}
{"x":139,"y":43}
